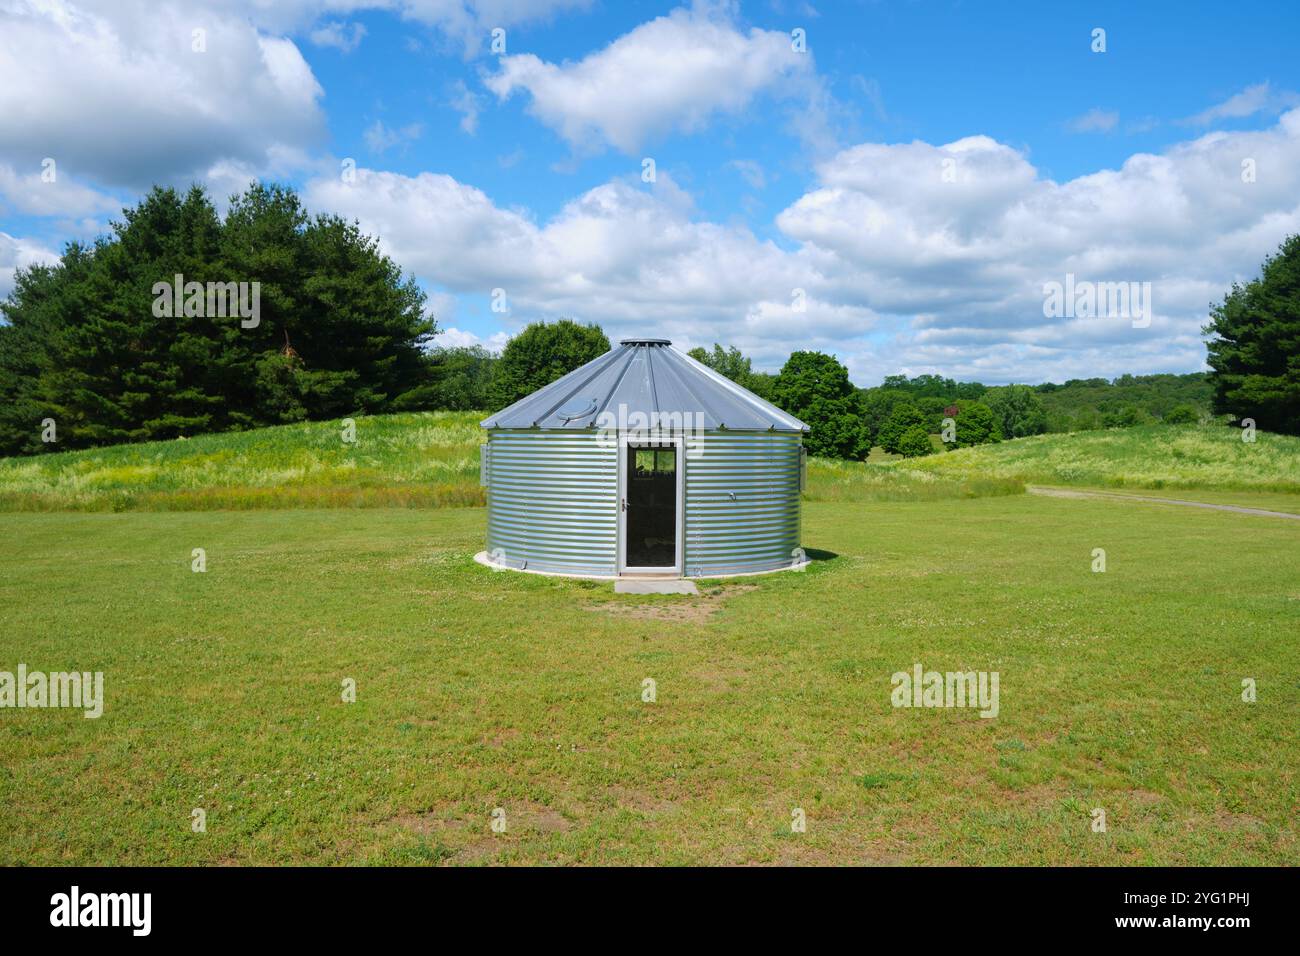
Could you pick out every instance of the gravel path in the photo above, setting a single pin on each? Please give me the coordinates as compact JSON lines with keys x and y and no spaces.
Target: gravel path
{"x":1071,"y":493}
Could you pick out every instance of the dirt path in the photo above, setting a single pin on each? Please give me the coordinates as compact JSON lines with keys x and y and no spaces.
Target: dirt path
{"x":1071,"y":493}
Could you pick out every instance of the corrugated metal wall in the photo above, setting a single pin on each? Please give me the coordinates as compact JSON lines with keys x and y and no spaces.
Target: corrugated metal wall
{"x":742,"y":502}
{"x":553,"y":501}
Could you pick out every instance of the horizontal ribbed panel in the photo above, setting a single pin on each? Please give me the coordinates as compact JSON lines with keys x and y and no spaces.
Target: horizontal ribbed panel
{"x":553,"y":501}
{"x":742,"y":502}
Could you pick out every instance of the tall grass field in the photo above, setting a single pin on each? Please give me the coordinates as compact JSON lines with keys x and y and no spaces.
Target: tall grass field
{"x":1151,"y":456}
{"x":426,"y":459}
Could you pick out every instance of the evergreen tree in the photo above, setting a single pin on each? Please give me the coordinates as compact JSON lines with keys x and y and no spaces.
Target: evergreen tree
{"x":1255,"y":349}
{"x":103,"y":344}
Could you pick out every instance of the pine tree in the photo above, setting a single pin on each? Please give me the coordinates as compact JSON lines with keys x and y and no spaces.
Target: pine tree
{"x":100,"y":344}
{"x":1255,"y":349}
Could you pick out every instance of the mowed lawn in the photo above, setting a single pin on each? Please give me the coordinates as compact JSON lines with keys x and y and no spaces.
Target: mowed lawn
{"x":476,"y":690}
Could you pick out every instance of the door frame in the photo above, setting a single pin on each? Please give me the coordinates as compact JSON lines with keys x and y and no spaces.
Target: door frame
{"x":625,"y":443}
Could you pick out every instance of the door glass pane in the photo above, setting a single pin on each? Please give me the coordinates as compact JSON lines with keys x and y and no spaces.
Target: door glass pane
{"x":651,"y":508}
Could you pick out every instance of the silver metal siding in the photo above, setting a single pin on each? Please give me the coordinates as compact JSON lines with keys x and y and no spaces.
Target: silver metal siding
{"x":553,"y":500}
{"x":742,"y":502}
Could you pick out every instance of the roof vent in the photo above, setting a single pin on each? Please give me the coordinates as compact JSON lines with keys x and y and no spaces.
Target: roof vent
{"x":577,"y":409}
{"x":644,"y":342}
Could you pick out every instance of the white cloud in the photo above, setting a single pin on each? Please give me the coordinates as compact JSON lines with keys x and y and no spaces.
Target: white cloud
{"x":929,"y":258}
{"x":467,"y":104}
{"x":34,"y":194}
{"x":342,"y":36}
{"x":454,"y":338}
{"x":466,"y":22}
{"x":19,"y":253}
{"x":1096,"y":120}
{"x":965,"y":261}
{"x":471,"y":21}
{"x":1260,"y":98}
{"x":380,"y":138}
{"x":870,"y":90}
{"x":629,"y":258}
{"x":750,"y":171}
{"x":674,"y":73}
{"x":116,"y":93}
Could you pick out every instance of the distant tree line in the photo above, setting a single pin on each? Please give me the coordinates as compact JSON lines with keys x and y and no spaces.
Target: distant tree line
{"x":901,"y":415}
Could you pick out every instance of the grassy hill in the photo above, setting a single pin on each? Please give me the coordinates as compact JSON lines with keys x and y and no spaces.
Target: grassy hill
{"x":423,"y":460}
{"x":1150,"y":456}
{"x":431,"y":459}
{"x":427,"y":459}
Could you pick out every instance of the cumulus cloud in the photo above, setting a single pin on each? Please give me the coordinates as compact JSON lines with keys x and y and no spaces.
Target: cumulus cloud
{"x":674,"y":73}
{"x":902,"y":256}
{"x":19,"y":253}
{"x":627,"y":257}
{"x":961,"y":239}
{"x":129,"y":93}
{"x":465,"y":22}
{"x":911,"y":256}
{"x":42,"y":191}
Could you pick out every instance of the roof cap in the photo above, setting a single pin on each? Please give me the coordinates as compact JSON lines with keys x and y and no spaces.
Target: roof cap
{"x":644,"y":342}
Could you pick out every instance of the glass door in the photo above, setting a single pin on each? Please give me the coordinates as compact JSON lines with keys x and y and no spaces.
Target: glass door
{"x":650,"y":508}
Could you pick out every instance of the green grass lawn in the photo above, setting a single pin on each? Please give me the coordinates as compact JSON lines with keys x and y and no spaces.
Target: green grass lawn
{"x":478,"y":690}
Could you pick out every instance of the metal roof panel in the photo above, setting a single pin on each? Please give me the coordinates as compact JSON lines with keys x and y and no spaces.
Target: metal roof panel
{"x":645,"y":376}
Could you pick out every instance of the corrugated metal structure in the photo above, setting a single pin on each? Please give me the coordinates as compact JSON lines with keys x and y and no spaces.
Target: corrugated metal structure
{"x":643,"y":461}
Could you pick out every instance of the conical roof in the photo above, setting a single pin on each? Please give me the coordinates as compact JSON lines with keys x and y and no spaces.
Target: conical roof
{"x":646,"y":376}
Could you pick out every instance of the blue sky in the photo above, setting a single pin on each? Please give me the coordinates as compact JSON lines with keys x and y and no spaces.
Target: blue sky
{"x":799,"y":199}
